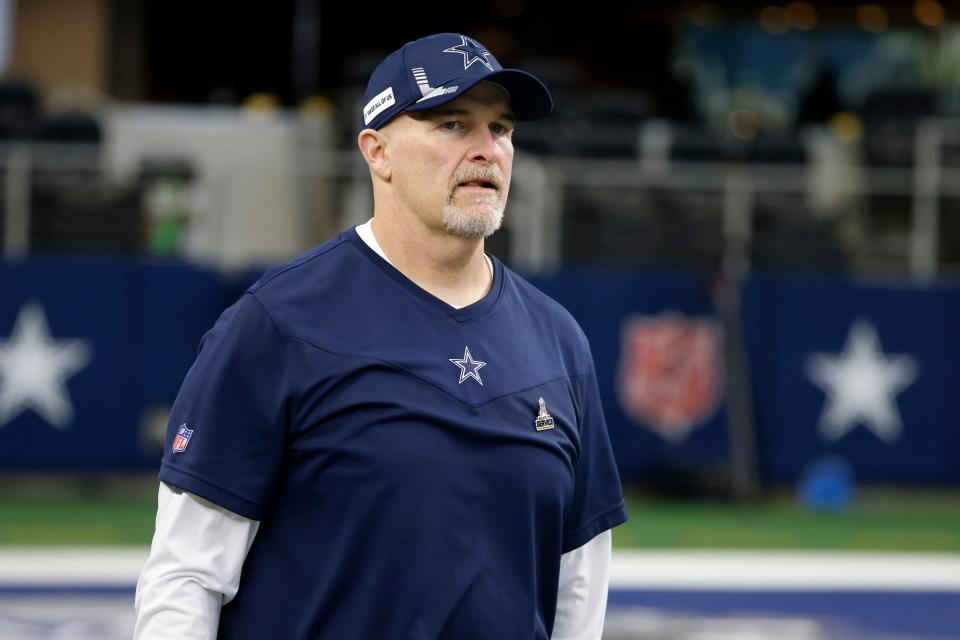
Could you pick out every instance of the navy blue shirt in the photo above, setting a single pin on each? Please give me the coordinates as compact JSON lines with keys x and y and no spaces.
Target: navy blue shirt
{"x":417,"y":469}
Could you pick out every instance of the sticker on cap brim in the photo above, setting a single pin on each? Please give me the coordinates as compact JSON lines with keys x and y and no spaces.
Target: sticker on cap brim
{"x":379,"y":102}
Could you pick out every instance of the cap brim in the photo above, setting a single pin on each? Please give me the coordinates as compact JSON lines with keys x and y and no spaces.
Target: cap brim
{"x":529,"y":98}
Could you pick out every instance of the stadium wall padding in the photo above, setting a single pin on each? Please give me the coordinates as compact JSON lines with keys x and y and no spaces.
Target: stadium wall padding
{"x":867,"y":372}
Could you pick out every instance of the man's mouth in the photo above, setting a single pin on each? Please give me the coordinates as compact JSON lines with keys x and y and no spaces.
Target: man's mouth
{"x":478,"y":184}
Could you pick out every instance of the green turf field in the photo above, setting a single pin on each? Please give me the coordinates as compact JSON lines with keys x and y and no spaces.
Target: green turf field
{"x":896,"y":522}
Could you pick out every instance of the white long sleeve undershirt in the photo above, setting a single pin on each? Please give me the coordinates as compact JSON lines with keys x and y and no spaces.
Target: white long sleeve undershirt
{"x":193,"y":569}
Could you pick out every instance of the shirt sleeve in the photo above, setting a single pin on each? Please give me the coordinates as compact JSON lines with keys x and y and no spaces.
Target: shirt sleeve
{"x":597,"y":503}
{"x":193,"y":568}
{"x":582,"y":592}
{"x":227,"y":431}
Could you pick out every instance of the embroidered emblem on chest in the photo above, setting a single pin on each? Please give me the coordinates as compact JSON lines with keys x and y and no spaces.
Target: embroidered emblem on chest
{"x":469,"y":368}
{"x":543,"y":420}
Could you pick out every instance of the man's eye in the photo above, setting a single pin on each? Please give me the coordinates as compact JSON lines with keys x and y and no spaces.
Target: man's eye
{"x":498,"y":129}
{"x":452,"y":125}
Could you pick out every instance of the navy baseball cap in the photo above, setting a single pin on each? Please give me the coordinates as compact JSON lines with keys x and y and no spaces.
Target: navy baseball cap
{"x":437,"y":69}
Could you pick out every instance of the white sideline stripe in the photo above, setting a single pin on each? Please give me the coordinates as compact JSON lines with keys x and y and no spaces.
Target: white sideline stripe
{"x":71,"y":566}
{"x":681,"y":570}
{"x":785,"y":571}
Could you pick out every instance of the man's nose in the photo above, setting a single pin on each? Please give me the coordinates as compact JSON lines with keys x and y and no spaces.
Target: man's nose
{"x":485,"y":149}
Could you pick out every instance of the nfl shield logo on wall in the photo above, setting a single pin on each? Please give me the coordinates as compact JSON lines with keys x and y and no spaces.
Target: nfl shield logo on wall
{"x":182,"y":439}
{"x":670,"y":377}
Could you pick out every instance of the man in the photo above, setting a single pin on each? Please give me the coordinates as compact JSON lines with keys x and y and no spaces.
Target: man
{"x":394,"y":436}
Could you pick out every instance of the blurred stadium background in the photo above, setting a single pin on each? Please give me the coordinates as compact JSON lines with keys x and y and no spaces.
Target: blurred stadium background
{"x":753,"y":209}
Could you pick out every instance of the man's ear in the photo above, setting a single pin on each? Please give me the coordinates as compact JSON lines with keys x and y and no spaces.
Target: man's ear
{"x":373,"y":146}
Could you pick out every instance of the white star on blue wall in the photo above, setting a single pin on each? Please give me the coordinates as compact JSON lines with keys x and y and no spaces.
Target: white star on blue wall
{"x":34,"y":369}
{"x":861,"y":385}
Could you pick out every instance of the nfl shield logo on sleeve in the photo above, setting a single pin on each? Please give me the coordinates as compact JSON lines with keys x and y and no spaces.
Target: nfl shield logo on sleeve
{"x":182,"y":439}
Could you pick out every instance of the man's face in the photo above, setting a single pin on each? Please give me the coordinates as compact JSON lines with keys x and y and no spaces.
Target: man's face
{"x":452,"y":164}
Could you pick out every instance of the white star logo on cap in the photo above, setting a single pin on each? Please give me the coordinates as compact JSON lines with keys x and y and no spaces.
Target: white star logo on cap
{"x":471,"y":52}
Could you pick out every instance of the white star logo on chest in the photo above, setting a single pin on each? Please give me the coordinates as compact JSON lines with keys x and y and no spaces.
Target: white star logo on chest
{"x":469,"y":368}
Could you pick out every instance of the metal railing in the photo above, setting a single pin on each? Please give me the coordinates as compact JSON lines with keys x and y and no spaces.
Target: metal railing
{"x":538,"y":207}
